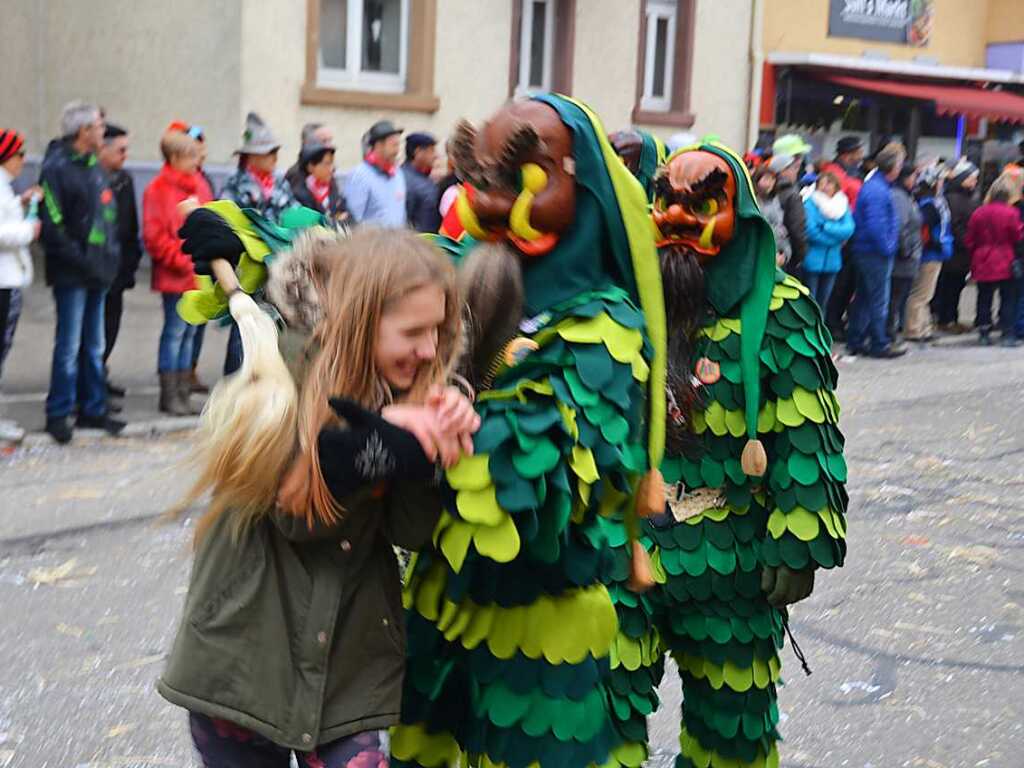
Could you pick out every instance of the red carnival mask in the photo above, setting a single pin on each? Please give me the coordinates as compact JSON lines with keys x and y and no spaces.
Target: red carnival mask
{"x":520,"y":177}
{"x":695,"y":203}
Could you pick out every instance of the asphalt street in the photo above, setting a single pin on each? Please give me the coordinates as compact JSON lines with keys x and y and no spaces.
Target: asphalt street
{"x":916,"y":646}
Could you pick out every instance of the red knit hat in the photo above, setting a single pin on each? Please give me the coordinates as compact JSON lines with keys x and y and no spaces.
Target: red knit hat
{"x":11,"y":143}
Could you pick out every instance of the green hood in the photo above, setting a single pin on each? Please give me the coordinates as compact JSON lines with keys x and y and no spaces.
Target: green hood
{"x":743,"y":273}
{"x":731,"y":275}
{"x":610,"y":243}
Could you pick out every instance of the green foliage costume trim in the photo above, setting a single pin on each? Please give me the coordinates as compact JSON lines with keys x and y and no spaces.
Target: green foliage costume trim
{"x":262,"y":240}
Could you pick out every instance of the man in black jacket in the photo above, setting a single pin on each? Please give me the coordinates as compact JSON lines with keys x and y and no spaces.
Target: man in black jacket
{"x":112,"y":158}
{"x":80,"y":239}
{"x":960,"y":192}
{"x":421,"y":193}
{"x":787,"y":168}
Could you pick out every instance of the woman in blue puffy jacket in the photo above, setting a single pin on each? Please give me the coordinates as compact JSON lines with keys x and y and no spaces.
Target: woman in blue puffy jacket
{"x":829,"y":225}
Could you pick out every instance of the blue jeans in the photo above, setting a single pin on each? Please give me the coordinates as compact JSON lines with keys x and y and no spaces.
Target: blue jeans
{"x":79,"y":330}
{"x":175,"y":353}
{"x":820,"y":285}
{"x":197,"y":344}
{"x":10,"y":311}
{"x":869,"y":314}
{"x":233,"y":356}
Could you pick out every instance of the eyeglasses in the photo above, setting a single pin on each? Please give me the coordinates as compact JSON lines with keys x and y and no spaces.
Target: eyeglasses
{"x":196,"y":132}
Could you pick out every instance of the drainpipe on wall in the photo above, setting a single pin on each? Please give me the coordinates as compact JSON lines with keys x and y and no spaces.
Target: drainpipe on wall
{"x":756,"y":73}
{"x":40,"y":8}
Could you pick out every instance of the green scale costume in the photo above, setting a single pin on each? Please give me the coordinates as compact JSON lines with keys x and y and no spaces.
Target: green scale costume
{"x":511,"y":622}
{"x":258,"y":243}
{"x":776,"y":383}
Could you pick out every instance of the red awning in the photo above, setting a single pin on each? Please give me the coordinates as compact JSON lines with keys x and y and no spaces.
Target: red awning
{"x":949,"y":99}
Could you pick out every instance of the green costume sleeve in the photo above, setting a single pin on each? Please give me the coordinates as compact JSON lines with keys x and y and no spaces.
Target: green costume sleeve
{"x":807,"y":471}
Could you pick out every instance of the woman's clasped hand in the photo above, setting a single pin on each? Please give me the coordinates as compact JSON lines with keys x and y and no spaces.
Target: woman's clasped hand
{"x":444,"y":425}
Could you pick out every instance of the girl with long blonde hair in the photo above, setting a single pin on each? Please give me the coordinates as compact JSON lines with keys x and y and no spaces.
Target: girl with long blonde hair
{"x":292,"y":637}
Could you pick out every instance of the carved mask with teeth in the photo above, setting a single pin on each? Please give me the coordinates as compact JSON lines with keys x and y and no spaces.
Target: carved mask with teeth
{"x":520,"y":173}
{"x":695,"y":203}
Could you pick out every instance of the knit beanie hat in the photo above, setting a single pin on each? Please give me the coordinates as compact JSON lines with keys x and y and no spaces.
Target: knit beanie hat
{"x":11,"y":143}
{"x":930,"y":175}
{"x":963,"y":170}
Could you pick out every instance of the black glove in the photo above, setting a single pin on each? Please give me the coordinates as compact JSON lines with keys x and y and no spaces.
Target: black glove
{"x":369,"y":451}
{"x":207,"y":237}
{"x":784,"y":586}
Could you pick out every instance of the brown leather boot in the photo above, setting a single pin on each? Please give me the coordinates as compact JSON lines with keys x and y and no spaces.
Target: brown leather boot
{"x":197,"y":386}
{"x":170,"y":399}
{"x":185,"y":393}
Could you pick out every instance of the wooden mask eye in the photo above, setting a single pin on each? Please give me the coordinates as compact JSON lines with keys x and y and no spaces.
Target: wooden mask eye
{"x":707,"y":207}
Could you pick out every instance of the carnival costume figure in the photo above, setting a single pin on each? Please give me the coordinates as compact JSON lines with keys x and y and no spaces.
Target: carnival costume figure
{"x":754,"y":462}
{"x":511,"y":615}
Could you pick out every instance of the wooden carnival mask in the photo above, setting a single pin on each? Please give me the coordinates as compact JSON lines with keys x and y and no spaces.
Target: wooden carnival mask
{"x":519,"y":176}
{"x":628,"y":145}
{"x":695,"y":203}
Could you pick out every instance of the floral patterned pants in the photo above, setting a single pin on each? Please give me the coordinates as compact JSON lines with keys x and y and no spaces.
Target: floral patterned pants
{"x":225,"y":745}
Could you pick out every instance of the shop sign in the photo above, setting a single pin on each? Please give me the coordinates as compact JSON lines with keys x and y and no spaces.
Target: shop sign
{"x":903,"y":22}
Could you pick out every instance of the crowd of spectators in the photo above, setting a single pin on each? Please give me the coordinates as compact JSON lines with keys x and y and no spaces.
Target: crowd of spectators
{"x":887,"y":245}
{"x":83,"y":214}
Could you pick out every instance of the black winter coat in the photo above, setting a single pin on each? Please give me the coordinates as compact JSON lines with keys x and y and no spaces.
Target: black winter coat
{"x":79,"y":220}
{"x":421,"y":200}
{"x":127,"y":229}
{"x":961,"y":205}
{"x":795,"y":219}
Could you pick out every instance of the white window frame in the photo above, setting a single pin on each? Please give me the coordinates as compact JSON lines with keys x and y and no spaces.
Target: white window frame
{"x":525,"y":39}
{"x":352,"y":77}
{"x":656,"y":10}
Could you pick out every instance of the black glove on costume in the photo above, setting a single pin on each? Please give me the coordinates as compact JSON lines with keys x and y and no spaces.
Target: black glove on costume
{"x":370,"y":450}
{"x":784,"y":586}
{"x":207,"y":237}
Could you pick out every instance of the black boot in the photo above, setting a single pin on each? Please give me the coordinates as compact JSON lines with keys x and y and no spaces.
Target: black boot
{"x":105,"y":422}
{"x":60,"y":429}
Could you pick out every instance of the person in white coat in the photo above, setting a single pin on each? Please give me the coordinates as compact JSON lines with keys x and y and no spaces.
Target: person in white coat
{"x":19,"y":226}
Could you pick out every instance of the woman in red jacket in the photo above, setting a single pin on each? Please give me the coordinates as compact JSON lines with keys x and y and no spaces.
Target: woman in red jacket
{"x":178,"y":180}
{"x":994,"y":234}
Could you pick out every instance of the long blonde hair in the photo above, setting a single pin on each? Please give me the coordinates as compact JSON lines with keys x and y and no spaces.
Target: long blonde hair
{"x":377,"y":270}
{"x":371,"y":271}
{"x":1007,"y":187}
